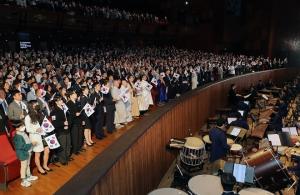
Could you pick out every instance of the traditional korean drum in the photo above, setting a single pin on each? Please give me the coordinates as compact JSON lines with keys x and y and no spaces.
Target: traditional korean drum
{"x":205,"y":185}
{"x":193,"y":151}
{"x":167,"y":191}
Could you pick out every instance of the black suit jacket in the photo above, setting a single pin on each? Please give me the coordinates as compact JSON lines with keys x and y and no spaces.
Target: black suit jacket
{"x":108,"y":102}
{"x":3,"y":120}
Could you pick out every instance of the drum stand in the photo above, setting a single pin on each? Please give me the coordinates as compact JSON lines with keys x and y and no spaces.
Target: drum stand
{"x":183,"y":173}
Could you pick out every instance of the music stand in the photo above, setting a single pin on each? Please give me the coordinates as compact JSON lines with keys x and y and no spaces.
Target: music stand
{"x":244,"y":174}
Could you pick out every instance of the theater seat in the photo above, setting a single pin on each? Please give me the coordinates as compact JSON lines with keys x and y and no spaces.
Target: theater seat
{"x":9,"y":164}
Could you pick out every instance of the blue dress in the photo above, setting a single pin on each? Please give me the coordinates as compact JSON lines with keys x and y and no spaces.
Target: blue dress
{"x":162,"y":91}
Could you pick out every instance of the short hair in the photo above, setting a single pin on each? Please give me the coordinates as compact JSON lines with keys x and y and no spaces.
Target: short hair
{"x":17,"y":123}
{"x":220,"y":122}
{"x":14,"y":92}
{"x":95,"y":84}
{"x":228,"y":181}
{"x":70,"y":92}
{"x":16,"y":82}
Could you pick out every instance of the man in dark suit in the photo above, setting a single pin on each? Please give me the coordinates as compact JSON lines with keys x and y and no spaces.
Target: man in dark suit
{"x":3,"y":112}
{"x":16,"y":109}
{"x":109,"y":108}
{"x":219,"y":145}
{"x":97,"y":98}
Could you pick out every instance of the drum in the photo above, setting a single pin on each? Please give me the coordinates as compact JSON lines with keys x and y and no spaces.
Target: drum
{"x":254,"y":191}
{"x":269,"y":172}
{"x":206,"y":139}
{"x":259,"y":157}
{"x":193,"y":151}
{"x":272,"y":176}
{"x":205,"y":185}
{"x":167,"y":191}
{"x":236,"y":149}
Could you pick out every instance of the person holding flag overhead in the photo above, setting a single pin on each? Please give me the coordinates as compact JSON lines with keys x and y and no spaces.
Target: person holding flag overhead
{"x":61,"y":125}
{"x":75,"y":122}
{"x":84,"y":102}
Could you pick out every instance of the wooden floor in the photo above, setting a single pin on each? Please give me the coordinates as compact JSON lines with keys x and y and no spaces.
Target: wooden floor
{"x":48,"y":184}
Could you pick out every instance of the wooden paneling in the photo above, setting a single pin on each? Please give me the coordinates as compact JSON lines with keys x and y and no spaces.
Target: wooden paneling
{"x":139,"y":158}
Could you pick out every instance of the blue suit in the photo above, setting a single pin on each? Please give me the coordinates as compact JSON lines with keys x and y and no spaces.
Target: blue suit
{"x":219,"y":145}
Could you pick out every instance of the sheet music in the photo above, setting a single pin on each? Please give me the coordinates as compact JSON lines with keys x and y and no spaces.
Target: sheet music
{"x":239,"y":172}
{"x":246,"y":102}
{"x":248,"y":174}
{"x":229,"y":120}
{"x":274,"y":139}
{"x":265,"y":97}
{"x":235,"y":131}
{"x":286,"y":129}
{"x":293,"y":131}
{"x":290,"y":130}
{"x":241,"y":112}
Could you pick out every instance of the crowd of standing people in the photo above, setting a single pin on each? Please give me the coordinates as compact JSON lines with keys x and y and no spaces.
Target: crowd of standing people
{"x":121,"y":84}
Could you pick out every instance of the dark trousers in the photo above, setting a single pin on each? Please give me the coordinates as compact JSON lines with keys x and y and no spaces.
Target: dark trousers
{"x":76,"y":138}
{"x":65,"y":147}
{"x":98,"y":124}
{"x":110,"y":117}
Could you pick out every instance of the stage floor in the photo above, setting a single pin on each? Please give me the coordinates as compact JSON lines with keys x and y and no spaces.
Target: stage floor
{"x":50,"y":183}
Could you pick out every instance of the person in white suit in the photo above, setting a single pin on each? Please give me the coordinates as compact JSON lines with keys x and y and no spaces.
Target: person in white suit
{"x":127,"y":100}
{"x":34,"y":129}
{"x":120,"y":113}
{"x":145,"y":95}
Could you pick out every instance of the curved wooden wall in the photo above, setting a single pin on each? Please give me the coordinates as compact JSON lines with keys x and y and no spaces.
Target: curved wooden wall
{"x":135,"y":164}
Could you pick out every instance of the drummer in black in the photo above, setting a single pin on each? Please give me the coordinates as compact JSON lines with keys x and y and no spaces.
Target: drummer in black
{"x":61,"y":125}
{"x":75,"y":122}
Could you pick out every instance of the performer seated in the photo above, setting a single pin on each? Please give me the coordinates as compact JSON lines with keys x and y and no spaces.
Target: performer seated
{"x":276,"y":122}
{"x":234,"y":97}
{"x":219,"y":145}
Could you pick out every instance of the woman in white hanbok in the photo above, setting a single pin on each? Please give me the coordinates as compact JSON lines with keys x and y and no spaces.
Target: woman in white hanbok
{"x":194,"y":79}
{"x":146,"y":97}
{"x":126,"y":90}
{"x":120,"y":113}
{"x":135,"y":112}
